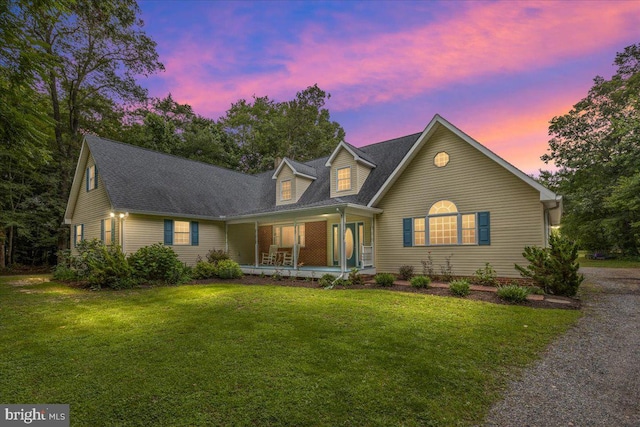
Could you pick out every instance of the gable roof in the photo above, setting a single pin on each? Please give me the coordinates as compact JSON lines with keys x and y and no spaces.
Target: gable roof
{"x":145,"y":181}
{"x":438,"y":121}
{"x":358,"y":154}
{"x":139,"y":180}
{"x":299,"y":169}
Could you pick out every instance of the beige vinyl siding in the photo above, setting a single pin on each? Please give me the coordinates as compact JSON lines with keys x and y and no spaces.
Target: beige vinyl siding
{"x":362,"y":175}
{"x":91,"y":207}
{"x":242,"y":239}
{"x":145,"y":230}
{"x":285,"y":174}
{"x":342,"y":160}
{"x":301,"y":185}
{"x":474,"y":183}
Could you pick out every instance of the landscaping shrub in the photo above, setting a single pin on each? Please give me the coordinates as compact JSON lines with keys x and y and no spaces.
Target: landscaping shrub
{"x":88,"y":252}
{"x":355,"y":278}
{"x":158,"y":263}
{"x":446,"y":270}
{"x":63,"y":270}
{"x":229,"y":269}
{"x":554,"y":269}
{"x":405,"y":272}
{"x":385,"y":279}
{"x":204,"y":270}
{"x":110,"y":269}
{"x":459,"y":288}
{"x":216,"y":255}
{"x":485,"y":276}
{"x":427,"y":267}
{"x":326,"y":280}
{"x":420,"y":282}
{"x":513,"y":293}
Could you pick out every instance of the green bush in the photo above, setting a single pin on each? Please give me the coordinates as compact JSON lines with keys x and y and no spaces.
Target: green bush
{"x":65,"y":274}
{"x":460,"y":288}
{"x":405,"y":272}
{"x":485,"y":276}
{"x":89,"y":251}
{"x":385,"y":279}
{"x":204,"y":270}
{"x":554,"y":269}
{"x":216,"y":255}
{"x":420,"y":281}
{"x":158,"y":263}
{"x":513,"y":293}
{"x":355,"y":278}
{"x":229,"y":269}
{"x":326,"y":280}
{"x":110,"y":269}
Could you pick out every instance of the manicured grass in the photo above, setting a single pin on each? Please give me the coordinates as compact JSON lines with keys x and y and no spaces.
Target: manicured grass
{"x":607,"y":263}
{"x":228,"y":354}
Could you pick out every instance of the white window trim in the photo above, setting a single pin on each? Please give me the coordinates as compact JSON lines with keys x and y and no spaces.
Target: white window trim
{"x":280,"y":226}
{"x":459,"y":229}
{"x":338,"y":179}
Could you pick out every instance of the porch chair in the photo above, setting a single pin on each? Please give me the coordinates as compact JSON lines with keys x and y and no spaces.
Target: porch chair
{"x":269,"y":258}
{"x":288,"y":257}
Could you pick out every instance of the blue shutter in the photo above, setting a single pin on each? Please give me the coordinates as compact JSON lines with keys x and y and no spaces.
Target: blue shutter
{"x":484,"y":231}
{"x":95,"y":178}
{"x":102,"y":231}
{"x":407,"y":231}
{"x":87,"y":183}
{"x":81,"y":232}
{"x":113,"y":231}
{"x":75,"y":235}
{"x":194,"y":233}
{"x":168,"y":232}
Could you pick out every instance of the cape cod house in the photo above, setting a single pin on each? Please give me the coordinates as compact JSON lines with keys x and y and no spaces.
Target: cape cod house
{"x":438,"y":194}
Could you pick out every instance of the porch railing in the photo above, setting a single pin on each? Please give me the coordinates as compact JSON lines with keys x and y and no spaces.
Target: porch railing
{"x":367,"y":256}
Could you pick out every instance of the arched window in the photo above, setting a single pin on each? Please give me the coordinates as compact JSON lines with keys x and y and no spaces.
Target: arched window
{"x":443,"y":223}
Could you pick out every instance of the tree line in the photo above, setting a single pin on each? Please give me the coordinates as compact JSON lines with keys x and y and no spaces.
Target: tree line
{"x":68,"y":68}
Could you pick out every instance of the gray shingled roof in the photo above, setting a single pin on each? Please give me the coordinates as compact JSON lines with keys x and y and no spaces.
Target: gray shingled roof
{"x":141,"y":180}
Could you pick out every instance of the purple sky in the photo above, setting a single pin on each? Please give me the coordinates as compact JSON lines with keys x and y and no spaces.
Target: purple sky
{"x":497,"y":70}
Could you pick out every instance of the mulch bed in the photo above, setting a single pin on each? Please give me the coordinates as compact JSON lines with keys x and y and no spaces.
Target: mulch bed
{"x":487,"y":296}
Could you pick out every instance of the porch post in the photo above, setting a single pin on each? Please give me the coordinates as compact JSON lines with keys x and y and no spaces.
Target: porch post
{"x":295,"y":244}
{"x":256,"y":246}
{"x":343,"y":243}
{"x":373,"y":246}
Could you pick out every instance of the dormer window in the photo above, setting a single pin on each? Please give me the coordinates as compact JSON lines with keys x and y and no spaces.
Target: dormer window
{"x":285,"y":190}
{"x":344,"y":179}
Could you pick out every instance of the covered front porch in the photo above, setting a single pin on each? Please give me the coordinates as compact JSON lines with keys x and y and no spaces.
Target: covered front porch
{"x":305,"y":242}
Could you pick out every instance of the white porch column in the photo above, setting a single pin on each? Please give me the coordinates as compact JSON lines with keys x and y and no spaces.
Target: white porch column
{"x":373,"y":246}
{"x":343,"y":243}
{"x":256,"y":254}
{"x":295,"y":244}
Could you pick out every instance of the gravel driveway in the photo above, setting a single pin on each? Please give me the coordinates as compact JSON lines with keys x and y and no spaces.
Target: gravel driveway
{"x":591,"y":375}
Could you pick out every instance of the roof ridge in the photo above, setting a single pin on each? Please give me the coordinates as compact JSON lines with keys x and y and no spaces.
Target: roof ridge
{"x":386,"y":141}
{"x":169,"y":155}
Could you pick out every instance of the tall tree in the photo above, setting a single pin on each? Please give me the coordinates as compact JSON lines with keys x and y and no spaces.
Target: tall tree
{"x":596,"y":145}
{"x":264,"y":130}
{"x":98,"y":50}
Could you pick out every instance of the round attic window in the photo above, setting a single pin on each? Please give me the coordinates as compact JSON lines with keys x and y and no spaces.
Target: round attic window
{"x":441,"y":159}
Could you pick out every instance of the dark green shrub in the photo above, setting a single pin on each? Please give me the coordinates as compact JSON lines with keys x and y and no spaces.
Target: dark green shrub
{"x":355,"y":278}
{"x":110,"y":269}
{"x":326,"y":280}
{"x":88,"y":252}
{"x":229,"y":269}
{"x":460,"y":288}
{"x":485,"y":276}
{"x":385,"y":279}
{"x":405,"y":272}
{"x":204,"y":270}
{"x":420,"y":281}
{"x":554,"y":269}
{"x":513,"y":293}
{"x":158,"y":263}
{"x":216,"y":255}
{"x":63,"y":270}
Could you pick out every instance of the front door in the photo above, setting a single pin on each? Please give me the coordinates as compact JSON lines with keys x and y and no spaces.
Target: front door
{"x":351,"y":244}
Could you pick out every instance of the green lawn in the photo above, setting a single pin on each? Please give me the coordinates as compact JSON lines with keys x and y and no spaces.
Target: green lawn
{"x":237,"y":355}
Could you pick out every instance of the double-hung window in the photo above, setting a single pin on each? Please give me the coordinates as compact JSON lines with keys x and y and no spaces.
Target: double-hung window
{"x":343,"y":182}
{"x":285,"y":190}
{"x":284,"y":236}
{"x":181,"y":233}
{"x":92,"y":178}
{"x":78,"y":234}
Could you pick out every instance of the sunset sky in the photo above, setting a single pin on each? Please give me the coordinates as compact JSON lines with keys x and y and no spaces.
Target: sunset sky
{"x":497,"y":70}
